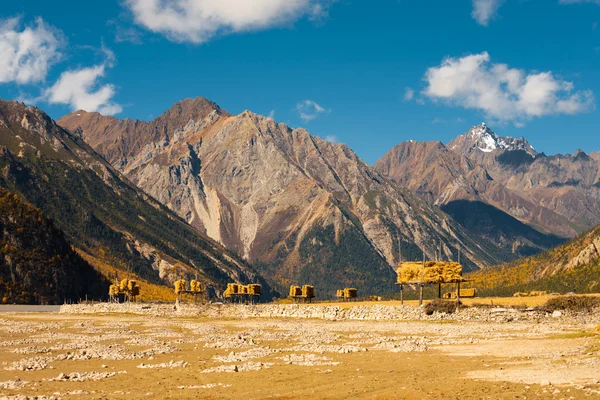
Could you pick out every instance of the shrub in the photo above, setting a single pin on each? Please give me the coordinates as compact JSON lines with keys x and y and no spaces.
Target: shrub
{"x":572,"y":303}
{"x":441,"y":306}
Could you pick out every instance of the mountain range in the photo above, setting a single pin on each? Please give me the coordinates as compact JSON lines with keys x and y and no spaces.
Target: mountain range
{"x":301,"y":209}
{"x":199,"y":192}
{"x":501,"y":188}
{"x":101,"y":213}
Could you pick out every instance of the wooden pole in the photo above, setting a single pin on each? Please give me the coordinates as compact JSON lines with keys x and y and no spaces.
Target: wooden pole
{"x":401,"y":295}
{"x":457,"y":296}
{"x":439,"y":290}
{"x":420,"y":294}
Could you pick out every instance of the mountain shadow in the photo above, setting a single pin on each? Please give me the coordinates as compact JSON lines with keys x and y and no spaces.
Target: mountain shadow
{"x":504,"y":230}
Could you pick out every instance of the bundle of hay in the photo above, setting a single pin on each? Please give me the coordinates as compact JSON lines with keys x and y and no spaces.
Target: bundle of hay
{"x":350,"y":293}
{"x":410,"y":272}
{"x":521,"y":294}
{"x":113,"y":290}
{"x":123,"y":285}
{"x":339,"y":293}
{"x":195,"y":286}
{"x":308,"y":291}
{"x":295,"y":291}
{"x":469,"y":292}
{"x":180,"y":286}
{"x":255,"y":289}
{"x":233,"y":288}
{"x":430,"y":272}
{"x":451,"y":272}
{"x":227,"y":293}
{"x":243,"y":289}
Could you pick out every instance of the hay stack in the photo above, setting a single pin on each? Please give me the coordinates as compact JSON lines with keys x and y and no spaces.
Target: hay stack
{"x":339,"y":293}
{"x":308,"y":291}
{"x":123,"y":285}
{"x":255,"y":289}
{"x":243,"y":289}
{"x":295,"y":291}
{"x":430,"y":272}
{"x":469,"y":292}
{"x":180,"y":286}
{"x":350,"y":293}
{"x":410,"y":272}
{"x":234,"y":288}
{"x":113,"y":290}
{"x":521,"y":294}
{"x":196,"y":286}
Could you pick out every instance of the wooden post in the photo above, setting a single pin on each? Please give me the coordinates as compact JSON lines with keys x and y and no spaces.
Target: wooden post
{"x":457,"y":296}
{"x":401,"y":295}
{"x":439,"y":290}
{"x":420,"y":294}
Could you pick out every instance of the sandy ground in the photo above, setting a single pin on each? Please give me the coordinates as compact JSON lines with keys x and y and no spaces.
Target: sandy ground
{"x":122,"y":356}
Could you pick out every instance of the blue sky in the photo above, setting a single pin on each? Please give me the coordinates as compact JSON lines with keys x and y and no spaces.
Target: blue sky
{"x":344,"y":70}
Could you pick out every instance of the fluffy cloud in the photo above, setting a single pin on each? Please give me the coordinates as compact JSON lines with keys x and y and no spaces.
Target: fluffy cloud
{"x":309,"y":110}
{"x":197,"y":21}
{"x":408,"y":94}
{"x":484,"y":10}
{"x":27,"y":54}
{"x":503,"y":93}
{"x":81,"y":91}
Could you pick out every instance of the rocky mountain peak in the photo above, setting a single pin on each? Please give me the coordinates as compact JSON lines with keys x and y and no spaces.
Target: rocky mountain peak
{"x":481,"y":138}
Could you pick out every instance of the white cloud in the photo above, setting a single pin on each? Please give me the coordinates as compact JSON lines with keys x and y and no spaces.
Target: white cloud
{"x":81,"y":91}
{"x":408,"y":94}
{"x":485,"y":10}
{"x":331,"y":138}
{"x":503,"y":93}
{"x":271,"y":114}
{"x":28,"y":54}
{"x":309,"y":110}
{"x":198,"y":21}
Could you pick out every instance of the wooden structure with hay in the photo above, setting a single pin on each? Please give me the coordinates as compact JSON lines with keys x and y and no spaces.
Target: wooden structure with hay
{"x":430,"y":273}
{"x":303,"y":294}
{"x":125,"y":290}
{"x":238,"y":293}
{"x":347,"y":294}
{"x":195,"y":289}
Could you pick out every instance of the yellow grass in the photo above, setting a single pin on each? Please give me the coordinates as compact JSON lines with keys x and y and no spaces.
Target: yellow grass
{"x":149,"y":291}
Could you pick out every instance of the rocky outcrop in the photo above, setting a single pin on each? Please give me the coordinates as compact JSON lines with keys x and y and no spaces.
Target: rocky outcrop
{"x":301,"y":208}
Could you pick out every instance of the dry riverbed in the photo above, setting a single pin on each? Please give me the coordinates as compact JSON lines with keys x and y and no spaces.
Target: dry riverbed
{"x":318,"y":353}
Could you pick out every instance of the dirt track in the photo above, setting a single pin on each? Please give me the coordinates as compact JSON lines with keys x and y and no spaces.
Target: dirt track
{"x":133,"y":356}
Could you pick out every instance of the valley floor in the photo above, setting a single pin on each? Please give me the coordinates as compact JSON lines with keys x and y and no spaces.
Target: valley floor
{"x":157,"y":356}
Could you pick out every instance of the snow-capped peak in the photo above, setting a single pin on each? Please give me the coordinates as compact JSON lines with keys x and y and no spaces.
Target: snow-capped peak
{"x":482,"y":138}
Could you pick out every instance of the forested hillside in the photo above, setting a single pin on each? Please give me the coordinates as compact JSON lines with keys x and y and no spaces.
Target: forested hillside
{"x":37,"y":265}
{"x":573,"y":267}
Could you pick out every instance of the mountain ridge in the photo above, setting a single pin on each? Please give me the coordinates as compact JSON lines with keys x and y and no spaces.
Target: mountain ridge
{"x":101,"y":212}
{"x":276,"y":195}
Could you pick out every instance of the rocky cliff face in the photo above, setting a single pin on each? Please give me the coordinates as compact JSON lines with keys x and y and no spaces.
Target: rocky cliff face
{"x":100,"y":211}
{"x":303,"y":209}
{"x":552,"y":197}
